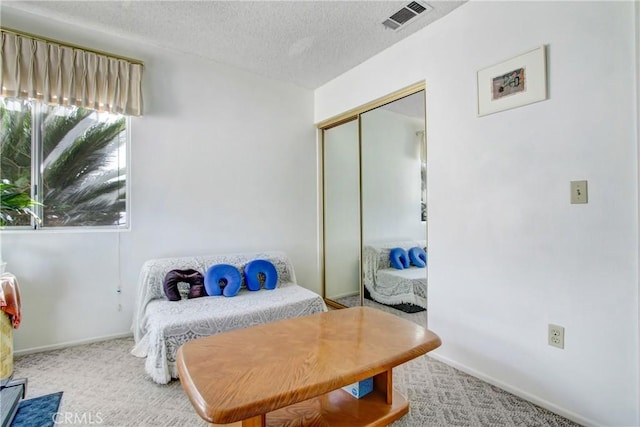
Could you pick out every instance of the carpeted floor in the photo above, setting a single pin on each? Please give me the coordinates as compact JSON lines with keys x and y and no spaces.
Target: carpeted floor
{"x":419,"y":317}
{"x":405,"y":307}
{"x":102,"y":381}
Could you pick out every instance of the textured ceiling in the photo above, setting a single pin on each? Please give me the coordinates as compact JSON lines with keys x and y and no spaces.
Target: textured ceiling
{"x":306,"y":43}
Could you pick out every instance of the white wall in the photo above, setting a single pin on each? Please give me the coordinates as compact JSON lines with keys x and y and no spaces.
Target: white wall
{"x":222,"y":161}
{"x":391,"y":184}
{"x":508,"y":253}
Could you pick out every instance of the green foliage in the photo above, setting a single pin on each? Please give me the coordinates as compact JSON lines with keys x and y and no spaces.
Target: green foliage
{"x":80,"y":185}
{"x":15,"y":150}
{"x":14,"y":201}
{"x":59,"y":126}
{"x":78,"y":189}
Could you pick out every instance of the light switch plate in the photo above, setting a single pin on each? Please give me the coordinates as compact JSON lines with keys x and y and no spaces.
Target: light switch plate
{"x":579,"y":192}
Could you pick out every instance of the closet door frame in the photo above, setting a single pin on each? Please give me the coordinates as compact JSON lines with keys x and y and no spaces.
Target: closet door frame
{"x":348,"y":116}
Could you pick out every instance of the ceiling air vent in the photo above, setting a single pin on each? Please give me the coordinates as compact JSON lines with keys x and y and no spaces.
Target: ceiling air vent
{"x":405,"y":15}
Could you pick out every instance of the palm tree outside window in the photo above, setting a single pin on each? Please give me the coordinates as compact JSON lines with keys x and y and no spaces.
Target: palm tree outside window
{"x":71,"y":160}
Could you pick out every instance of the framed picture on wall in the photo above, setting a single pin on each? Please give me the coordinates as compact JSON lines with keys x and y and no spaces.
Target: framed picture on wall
{"x":518,"y":81}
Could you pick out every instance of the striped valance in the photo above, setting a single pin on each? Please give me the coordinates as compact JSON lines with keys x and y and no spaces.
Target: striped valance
{"x":54,"y":73}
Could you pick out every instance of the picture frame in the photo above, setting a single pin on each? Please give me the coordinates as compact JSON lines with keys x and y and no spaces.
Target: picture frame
{"x":516,"y":82}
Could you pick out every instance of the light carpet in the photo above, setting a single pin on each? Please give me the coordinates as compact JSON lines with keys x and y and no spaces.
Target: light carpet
{"x":102,"y":381}
{"x":353,"y":301}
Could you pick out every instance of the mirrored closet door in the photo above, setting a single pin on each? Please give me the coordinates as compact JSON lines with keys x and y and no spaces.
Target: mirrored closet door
{"x":341,"y":188}
{"x":374,"y":170}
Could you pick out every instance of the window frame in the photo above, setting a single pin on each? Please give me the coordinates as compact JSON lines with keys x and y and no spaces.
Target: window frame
{"x":38,"y":111}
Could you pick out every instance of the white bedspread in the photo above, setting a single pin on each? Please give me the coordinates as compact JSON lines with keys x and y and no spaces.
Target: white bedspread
{"x":392,"y":274}
{"x":162,"y":326}
{"x":389,"y":285}
{"x":411,"y":284}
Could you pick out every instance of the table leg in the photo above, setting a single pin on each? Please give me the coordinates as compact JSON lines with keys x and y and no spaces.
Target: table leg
{"x":257,"y":421}
{"x":383,"y":382}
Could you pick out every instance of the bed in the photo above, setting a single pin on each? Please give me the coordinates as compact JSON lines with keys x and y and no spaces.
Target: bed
{"x":388,"y":285}
{"x":161,"y":326}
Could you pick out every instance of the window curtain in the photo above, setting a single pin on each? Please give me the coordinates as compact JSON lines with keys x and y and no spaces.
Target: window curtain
{"x":38,"y":69}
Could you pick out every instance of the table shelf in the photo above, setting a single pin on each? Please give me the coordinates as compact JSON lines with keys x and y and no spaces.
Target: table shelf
{"x":337,"y":409}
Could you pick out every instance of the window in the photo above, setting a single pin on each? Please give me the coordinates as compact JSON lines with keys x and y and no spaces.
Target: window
{"x":71,"y":160}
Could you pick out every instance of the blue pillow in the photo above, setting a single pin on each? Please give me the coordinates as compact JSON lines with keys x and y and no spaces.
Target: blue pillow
{"x":222,"y":279}
{"x":418,"y":257}
{"x":254,"y":269}
{"x":399,"y":258}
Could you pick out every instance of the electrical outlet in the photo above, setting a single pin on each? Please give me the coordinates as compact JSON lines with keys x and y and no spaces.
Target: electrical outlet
{"x":556,"y":336}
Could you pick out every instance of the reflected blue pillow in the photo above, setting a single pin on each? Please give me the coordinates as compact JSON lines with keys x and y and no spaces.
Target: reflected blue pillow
{"x":398,"y":258}
{"x":418,"y":257}
{"x":260,"y":270}
{"x":222,"y":279}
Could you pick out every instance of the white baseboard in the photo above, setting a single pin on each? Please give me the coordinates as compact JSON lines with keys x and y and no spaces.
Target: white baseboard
{"x":347,"y":294}
{"x":69,"y":344}
{"x":518,"y":392}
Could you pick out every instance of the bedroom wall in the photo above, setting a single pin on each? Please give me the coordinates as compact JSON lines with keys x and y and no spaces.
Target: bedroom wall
{"x":508,"y":253}
{"x":222,"y":161}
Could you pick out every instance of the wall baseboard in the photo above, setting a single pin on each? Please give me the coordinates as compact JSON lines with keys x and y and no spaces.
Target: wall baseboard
{"x":70,"y":344}
{"x":344,"y":295}
{"x":518,"y":392}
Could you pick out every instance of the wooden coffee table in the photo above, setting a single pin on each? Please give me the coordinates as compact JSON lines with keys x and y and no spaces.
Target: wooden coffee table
{"x":290,"y":372}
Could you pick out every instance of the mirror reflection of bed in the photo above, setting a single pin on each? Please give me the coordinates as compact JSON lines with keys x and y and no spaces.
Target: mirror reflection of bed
{"x":367,"y":214}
